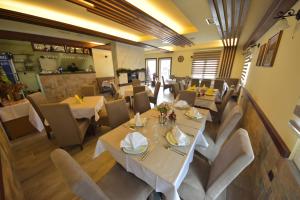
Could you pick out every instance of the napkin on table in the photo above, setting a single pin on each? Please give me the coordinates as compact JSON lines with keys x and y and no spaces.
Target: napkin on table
{"x":181,"y":104}
{"x":133,"y":140}
{"x":179,"y":136}
{"x":78,"y":99}
{"x":195,"y":113}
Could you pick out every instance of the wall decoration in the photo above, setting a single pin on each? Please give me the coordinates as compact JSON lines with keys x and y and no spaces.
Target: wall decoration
{"x":271,"y":50}
{"x":180,"y":58}
{"x":260,"y":57}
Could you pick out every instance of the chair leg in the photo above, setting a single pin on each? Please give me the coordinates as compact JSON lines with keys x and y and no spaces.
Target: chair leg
{"x":81,"y":147}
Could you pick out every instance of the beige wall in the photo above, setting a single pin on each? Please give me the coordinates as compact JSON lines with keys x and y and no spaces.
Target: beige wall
{"x":276,"y":89}
{"x":178,"y":68}
{"x":103,"y":63}
{"x":237,"y":64}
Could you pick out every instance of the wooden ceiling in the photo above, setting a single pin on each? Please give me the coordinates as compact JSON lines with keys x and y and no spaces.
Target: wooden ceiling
{"x":124,"y":13}
{"x":229,"y":16}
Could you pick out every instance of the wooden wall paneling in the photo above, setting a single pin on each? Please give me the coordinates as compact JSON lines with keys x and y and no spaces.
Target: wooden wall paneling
{"x":279,"y":143}
{"x":268,"y":19}
{"x":2,"y":195}
{"x":21,"y":17}
{"x":128,"y":15}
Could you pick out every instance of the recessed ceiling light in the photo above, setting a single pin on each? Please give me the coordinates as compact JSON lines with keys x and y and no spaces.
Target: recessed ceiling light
{"x":165,"y":42}
{"x":210,"y":21}
{"x":86,"y":3}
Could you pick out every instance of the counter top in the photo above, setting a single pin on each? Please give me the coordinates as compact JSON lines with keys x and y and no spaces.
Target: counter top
{"x":67,"y":73}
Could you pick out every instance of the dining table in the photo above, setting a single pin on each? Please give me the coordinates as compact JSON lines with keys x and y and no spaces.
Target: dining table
{"x":162,"y":166}
{"x":127,"y":91}
{"x":88,"y":108}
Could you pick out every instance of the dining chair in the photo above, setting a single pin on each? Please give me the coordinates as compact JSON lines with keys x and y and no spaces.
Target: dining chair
{"x":165,"y":86}
{"x":206,"y":82}
{"x":153,"y":98}
{"x":225,"y":99}
{"x":228,"y":108}
{"x":141,"y":102}
{"x":181,"y":85}
{"x":66,"y":129}
{"x":188,"y":96}
{"x":219,"y":84}
{"x":195,"y":82}
{"x":217,"y":138}
{"x":117,"y":112}
{"x":88,"y":90}
{"x":116,"y":184}
{"x":37,"y":99}
{"x":209,"y":181}
{"x":136,"y":82}
{"x":176,"y":90}
{"x":115,"y":93}
{"x":137,"y":89}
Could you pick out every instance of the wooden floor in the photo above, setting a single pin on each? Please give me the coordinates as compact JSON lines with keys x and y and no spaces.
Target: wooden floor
{"x":40,"y":179}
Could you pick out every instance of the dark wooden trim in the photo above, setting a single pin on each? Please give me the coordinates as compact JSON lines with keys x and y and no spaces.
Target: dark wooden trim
{"x":2,"y":194}
{"x":25,"y":18}
{"x":279,"y":143}
{"x":268,"y":19}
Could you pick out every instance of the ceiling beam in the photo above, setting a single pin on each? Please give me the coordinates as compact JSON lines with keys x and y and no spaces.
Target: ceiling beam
{"x":25,"y":18}
{"x":124,"y":13}
{"x":268,"y":19}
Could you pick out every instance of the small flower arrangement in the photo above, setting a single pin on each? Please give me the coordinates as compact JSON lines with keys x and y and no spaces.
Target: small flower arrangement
{"x":163,"y":108}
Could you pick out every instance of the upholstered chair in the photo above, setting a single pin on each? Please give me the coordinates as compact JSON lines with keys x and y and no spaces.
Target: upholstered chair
{"x":116,"y":184}
{"x":115,"y":93}
{"x":206,"y":82}
{"x":206,"y":181}
{"x":219,"y":84}
{"x":165,"y":86}
{"x":176,"y":90}
{"x":37,"y":99}
{"x":141,"y":102}
{"x":137,"y":89}
{"x":228,"y":108}
{"x":216,"y":139}
{"x":153,"y":99}
{"x":188,"y":96}
{"x":136,"y":82}
{"x":195,"y":82}
{"x":117,"y":112}
{"x":225,"y":99}
{"x":88,"y":90}
{"x":66,"y":129}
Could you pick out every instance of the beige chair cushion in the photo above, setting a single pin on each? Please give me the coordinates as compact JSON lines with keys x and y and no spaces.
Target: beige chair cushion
{"x":78,"y":180}
{"x":141,"y":102}
{"x":187,"y":96}
{"x":210,"y":182}
{"x":66,"y":129}
{"x":229,"y":106}
{"x":235,"y":155}
{"x":223,"y":133}
{"x":117,"y":112}
{"x":119,"y":184}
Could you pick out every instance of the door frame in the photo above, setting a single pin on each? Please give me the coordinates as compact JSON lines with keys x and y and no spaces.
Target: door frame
{"x":159,"y":66}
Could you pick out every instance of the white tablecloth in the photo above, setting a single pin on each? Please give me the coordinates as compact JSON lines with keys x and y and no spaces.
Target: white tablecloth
{"x":163,"y":169}
{"x":206,"y":102}
{"x":127,"y":91}
{"x":89,"y":108}
{"x":20,"y":109}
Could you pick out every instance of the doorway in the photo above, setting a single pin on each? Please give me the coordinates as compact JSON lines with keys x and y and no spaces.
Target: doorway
{"x":151,"y":68}
{"x":165,"y":65}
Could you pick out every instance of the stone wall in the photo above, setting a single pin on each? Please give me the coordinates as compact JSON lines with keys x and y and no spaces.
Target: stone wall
{"x":58,"y":87}
{"x":269,"y":176}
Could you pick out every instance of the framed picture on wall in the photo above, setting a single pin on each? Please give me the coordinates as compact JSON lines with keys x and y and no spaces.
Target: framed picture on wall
{"x":271,"y":50}
{"x":260,"y":58}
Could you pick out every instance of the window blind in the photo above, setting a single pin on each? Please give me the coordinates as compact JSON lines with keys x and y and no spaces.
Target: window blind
{"x":245,"y":71}
{"x":205,"y":64}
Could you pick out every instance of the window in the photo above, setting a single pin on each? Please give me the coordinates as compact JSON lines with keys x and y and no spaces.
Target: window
{"x":205,"y":64}
{"x":247,"y":63}
{"x":165,"y":67}
{"x":151,"y":68}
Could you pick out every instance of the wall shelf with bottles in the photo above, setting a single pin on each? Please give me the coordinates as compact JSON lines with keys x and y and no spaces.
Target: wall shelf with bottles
{"x":60,"y":48}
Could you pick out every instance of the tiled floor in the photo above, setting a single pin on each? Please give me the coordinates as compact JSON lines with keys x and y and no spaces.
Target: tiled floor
{"x":41,"y":181}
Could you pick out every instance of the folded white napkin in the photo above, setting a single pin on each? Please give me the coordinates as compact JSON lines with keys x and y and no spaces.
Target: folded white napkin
{"x":133,"y":140}
{"x":138,"y":120}
{"x":181,"y":104}
{"x":195,"y":113}
{"x":179,"y":136}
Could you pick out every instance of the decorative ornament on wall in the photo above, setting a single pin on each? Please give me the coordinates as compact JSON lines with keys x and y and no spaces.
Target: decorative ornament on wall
{"x":180,"y":58}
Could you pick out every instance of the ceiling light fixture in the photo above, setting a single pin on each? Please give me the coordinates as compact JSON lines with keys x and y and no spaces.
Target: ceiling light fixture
{"x":97,"y":43}
{"x":210,"y":21}
{"x":87,"y":3}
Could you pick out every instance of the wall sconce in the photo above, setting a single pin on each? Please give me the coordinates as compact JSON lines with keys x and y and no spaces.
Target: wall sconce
{"x":295,"y":123}
{"x":283,"y":22}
